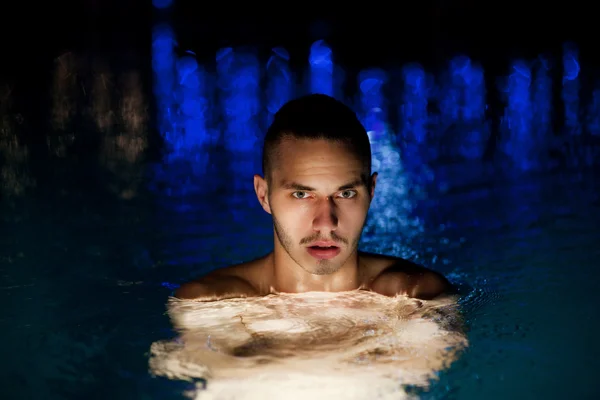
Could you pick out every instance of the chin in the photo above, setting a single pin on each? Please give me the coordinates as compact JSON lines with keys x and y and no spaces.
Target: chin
{"x":325,"y":267}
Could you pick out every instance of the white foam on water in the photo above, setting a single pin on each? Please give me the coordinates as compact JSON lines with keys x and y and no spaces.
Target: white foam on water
{"x":317,"y":345}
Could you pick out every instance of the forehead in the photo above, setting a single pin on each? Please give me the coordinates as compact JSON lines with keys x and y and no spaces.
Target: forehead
{"x":305,"y":159}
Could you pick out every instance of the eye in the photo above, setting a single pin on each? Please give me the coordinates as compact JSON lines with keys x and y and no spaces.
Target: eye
{"x":348,"y":194}
{"x":300,"y":195}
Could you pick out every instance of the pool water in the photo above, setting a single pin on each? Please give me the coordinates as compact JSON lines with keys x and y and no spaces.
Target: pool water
{"x":87,"y":272}
{"x":95,"y":234}
{"x":351,"y":345}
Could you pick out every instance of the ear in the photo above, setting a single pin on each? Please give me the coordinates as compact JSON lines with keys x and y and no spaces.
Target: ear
{"x":373,"y":184}
{"x":262,"y":192}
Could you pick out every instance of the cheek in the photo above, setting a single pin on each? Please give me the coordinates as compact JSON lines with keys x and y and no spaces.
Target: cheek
{"x":356,"y":212}
{"x":291,"y":214}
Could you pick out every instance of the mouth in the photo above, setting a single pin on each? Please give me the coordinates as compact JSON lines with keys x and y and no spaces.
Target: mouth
{"x":323,"y":251}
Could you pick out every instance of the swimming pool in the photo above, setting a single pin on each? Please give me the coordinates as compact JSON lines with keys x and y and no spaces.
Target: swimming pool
{"x":86,"y":274}
{"x":95,"y":236}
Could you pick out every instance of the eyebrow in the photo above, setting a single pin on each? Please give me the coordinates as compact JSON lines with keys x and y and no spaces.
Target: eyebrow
{"x":298,"y":186}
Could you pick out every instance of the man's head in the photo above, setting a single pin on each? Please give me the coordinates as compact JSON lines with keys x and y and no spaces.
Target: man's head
{"x":317,"y":182}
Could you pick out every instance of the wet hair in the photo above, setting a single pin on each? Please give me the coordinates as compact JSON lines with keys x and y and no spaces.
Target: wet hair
{"x":314,"y":117}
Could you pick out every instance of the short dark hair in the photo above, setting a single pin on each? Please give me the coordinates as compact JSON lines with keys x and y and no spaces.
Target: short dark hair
{"x":317,"y":116}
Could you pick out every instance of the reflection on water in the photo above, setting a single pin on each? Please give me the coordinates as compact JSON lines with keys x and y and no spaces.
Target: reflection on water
{"x":103,"y":114}
{"x":351,"y":345}
{"x":66,"y":89}
{"x":14,"y":170}
{"x":102,"y":89}
{"x":122,"y":152}
{"x":392,"y":209}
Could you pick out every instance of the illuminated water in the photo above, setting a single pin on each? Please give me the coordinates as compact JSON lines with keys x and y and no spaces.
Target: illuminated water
{"x":320,"y":345}
{"x":92,"y":243}
{"x":84,"y":284}
{"x":84,"y":280}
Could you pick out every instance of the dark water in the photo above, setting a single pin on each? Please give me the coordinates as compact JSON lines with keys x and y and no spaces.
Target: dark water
{"x":86,"y":275}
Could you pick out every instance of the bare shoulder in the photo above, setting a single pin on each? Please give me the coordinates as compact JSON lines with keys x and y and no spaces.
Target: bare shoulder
{"x":392,"y":276}
{"x":240,"y":280}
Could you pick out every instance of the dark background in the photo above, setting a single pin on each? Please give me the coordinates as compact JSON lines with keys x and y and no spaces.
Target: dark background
{"x":362,"y":35}
{"x":365,"y":34}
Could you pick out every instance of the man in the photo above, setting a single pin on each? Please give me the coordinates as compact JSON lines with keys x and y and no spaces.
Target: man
{"x":318,"y":187}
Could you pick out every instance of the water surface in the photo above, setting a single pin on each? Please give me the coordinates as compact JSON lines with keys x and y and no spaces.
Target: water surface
{"x":355,"y":345}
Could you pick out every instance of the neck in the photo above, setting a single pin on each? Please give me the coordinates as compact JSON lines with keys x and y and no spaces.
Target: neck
{"x":289,"y":277}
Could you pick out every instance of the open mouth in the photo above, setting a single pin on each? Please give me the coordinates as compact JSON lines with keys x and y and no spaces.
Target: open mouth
{"x":323,"y":252}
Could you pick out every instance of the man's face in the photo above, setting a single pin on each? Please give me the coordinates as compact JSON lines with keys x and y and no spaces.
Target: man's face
{"x":318,"y":201}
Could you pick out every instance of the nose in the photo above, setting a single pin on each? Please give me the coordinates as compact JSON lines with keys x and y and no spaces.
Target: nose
{"x":325,"y":219}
